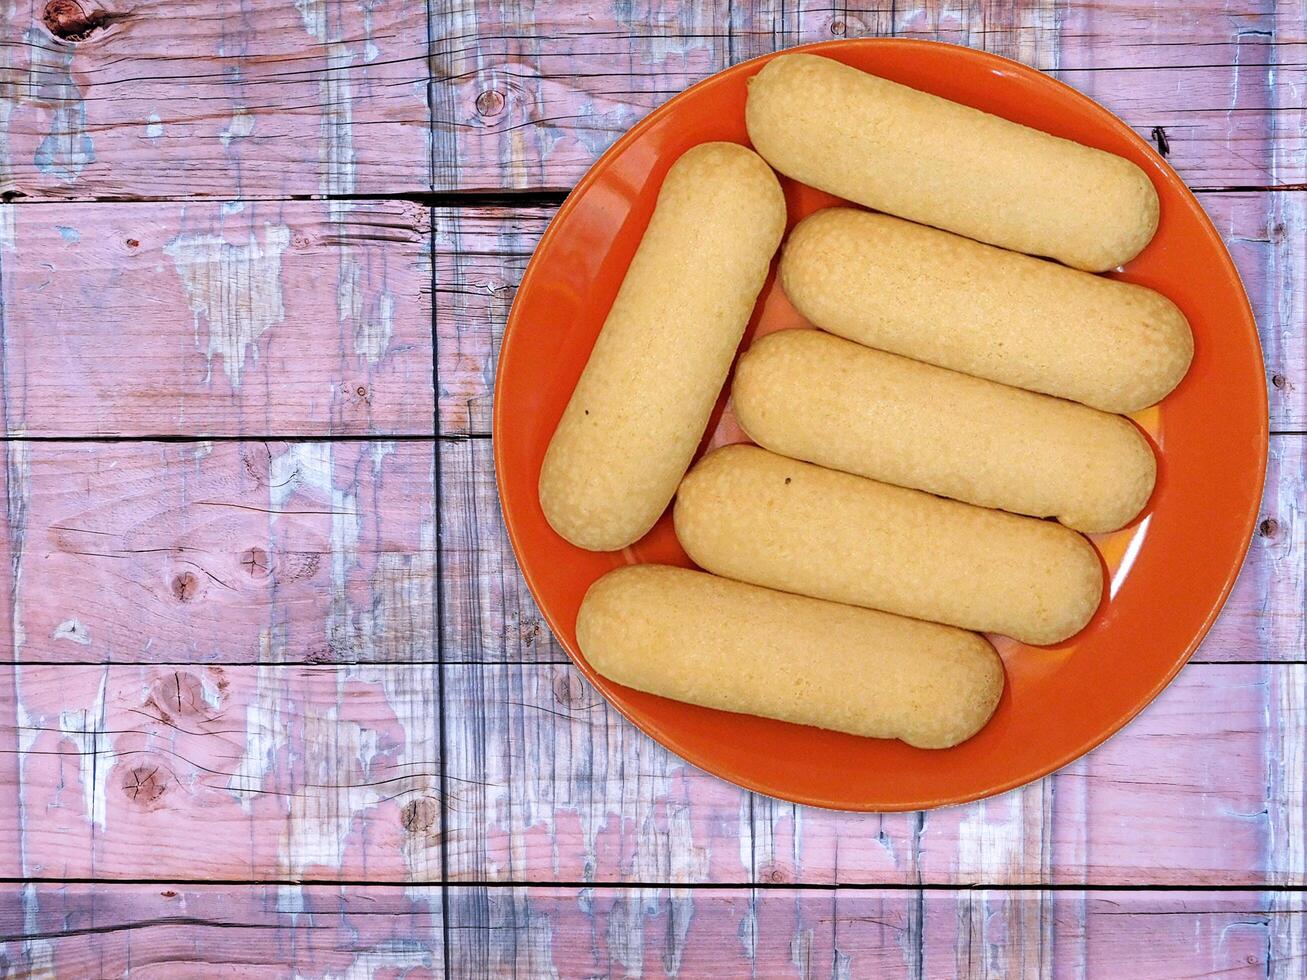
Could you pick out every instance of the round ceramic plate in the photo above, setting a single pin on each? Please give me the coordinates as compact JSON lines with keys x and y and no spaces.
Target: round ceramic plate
{"x":1169,"y":572}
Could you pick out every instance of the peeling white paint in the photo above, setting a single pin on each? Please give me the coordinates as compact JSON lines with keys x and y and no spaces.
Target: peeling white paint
{"x":153,"y":126}
{"x":234,"y":289}
{"x":38,"y":954}
{"x":385,"y":959}
{"x":73,"y":631}
{"x":290,"y":901}
{"x":336,"y":152}
{"x":265,"y":729}
{"x":241,"y":125}
{"x":84,"y":727}
{"x":380,"y":450}
{"x":66,"y":150}
{"x":7,"y":227}
{"x":374,"y":322}
{"x":313,"y":13}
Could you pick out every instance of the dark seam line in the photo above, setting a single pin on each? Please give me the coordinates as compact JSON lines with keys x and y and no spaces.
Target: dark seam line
{"x":561,"y":661}
{"x":548,"y":197}
{"x":674,"y":885}
{"x":489,"y":197}
{"x":438,"y":590}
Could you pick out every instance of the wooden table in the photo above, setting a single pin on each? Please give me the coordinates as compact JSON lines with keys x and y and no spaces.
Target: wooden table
{"x":275,"y":699}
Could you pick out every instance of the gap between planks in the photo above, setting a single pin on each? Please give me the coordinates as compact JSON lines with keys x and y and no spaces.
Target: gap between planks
{"x":698,"y":886}
{"x":539,"y":197}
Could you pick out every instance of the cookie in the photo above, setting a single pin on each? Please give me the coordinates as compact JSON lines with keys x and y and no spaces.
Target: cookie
{"x":695,"y":637}
{"x":643,"y":400}
{"x":750,"y":515}
{"x":812,"y":396}
{"x":905,"y":152}
{"x":1017,"y":320}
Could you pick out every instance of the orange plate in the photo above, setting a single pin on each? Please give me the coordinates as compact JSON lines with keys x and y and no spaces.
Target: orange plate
{"x":1170,"y":571}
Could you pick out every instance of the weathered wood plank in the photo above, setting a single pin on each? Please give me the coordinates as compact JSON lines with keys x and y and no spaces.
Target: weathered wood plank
{"x":189,"y":100}
{"x":213,"y":773}
{"x":275,"y":318}
{"x":490,"y":615}
{"x":867,"y":933}
{"x":174,"y":930}
{"x":332,"y":774}
{"x":531,"y":99}
{"x":322,"y":931}
{"x":549,"y":783}
{"x":199,"y":99}
{"x":226,"y":552}
{"x":481,"y":254}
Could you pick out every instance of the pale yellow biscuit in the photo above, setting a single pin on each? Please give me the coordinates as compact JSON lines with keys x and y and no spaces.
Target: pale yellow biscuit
{"x":812,"y":396}
{"x":921,"y":157}
{"x":1021,"y":321}
{"x":722,"y":644}
{"x":748,"y":514}
{"x":642,"y":403}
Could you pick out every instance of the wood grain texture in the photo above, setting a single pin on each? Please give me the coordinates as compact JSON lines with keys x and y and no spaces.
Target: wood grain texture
{"x":162,"y":98}
{"x":236,"y":773}
{"x":175,"y":930}
{"x":530,"y":100}
{"x":360,"y":931}
{"x":332,"y":774}
{"x":256,"y":100}
{"x":227,"y":552}
{"x":549,"y":784}
{"x":279,"y":318}
{"x":490,"y":615}
{"x":481,"y":254}
{"x":866,"y":933}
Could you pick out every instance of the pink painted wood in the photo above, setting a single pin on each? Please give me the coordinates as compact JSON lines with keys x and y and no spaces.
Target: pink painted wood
{"x":192,"y":98}
{"x":224,"y":773}
{"x":227,"y":552}
{"x":532,"y":104}
{"x":177,"y":930}
{"x":281,"y":318}
{"x":268,"y":930}
{"x":547,"y":783}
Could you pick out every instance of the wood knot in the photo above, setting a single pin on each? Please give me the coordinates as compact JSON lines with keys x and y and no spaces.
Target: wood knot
{"x":1279,"y":380}
{"x":133,"y":243}
{"x":838,"y":27}
{"x":145,"y":785}
{"x":529,"y":631}
{"x":179,"y":694}
{"x":257,"y":460}
{"x":185,"y":586}
{"x":569,"y":690}
{"x":490,"y":103}
{"x":775,"y":875}
{"x":255,"y":562}
{"x":421,"y":815}
{"x":1268,"y":527}
{"x":67,"y":20}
